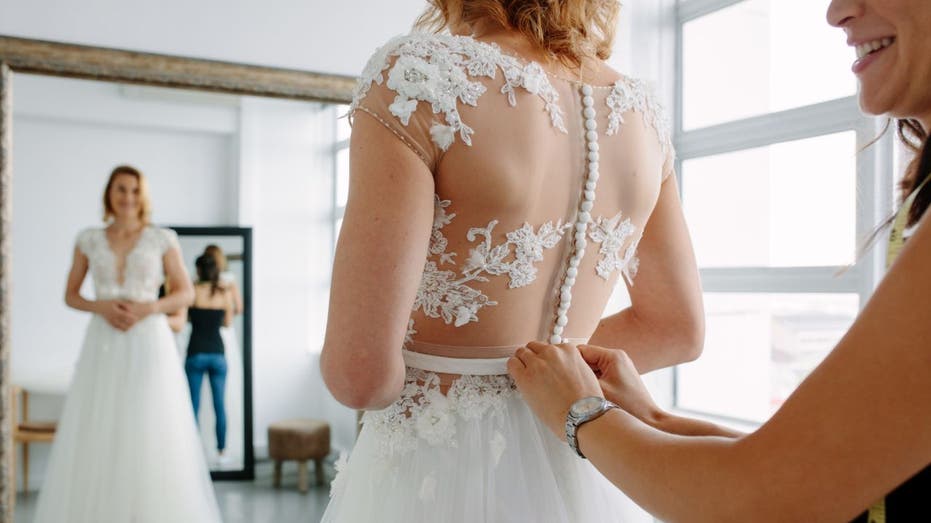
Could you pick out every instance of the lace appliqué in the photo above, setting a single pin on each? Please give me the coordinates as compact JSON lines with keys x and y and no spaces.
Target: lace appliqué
{"x":612,"y":234}
{"x":424,"y":414}
{"x":436,"y":69}
{"x":446,"y":294}
{"x":631,"y":94}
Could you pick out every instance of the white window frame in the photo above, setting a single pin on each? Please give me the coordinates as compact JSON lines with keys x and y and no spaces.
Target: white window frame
{"x":874,"y":183}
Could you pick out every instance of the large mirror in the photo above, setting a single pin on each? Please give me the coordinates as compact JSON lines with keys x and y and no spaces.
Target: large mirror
{"x":226,"y":150}
{"x":221,"y":383}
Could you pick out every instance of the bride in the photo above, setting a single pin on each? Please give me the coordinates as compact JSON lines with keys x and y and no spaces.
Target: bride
{"x":503,"y":179}
{"x":127,"y":447}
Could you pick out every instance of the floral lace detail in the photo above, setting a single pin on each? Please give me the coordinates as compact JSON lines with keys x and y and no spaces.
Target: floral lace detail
{"x":633,"y":94}
{"x":612,"y":234}
{"x":445,"y":294}
{"x":142,"y":272}
{"x":436,"y":69}
{"x":424,"y":414}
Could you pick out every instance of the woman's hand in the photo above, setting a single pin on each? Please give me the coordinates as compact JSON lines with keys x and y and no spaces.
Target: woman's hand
{"x":551,"y":378}
{"x":621,"y":382}
{"x":117,"y":313}
{"x":141,"y":310}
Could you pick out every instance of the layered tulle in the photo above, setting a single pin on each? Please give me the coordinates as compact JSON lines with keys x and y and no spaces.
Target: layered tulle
{"x":476,"y":454}
{"x":127,"y":448}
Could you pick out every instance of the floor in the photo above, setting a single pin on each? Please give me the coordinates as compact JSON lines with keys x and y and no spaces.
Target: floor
{"x":245,"y":501}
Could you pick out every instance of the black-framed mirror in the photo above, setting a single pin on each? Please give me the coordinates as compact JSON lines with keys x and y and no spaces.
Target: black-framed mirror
{"x":231,"y":247}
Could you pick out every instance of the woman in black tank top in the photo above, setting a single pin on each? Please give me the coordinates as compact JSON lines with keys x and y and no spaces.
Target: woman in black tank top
{"x":212,"y":309}
{"x":855,"y":437}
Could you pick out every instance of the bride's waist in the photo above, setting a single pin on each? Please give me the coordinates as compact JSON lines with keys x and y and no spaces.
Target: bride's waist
{"x":462,"y":360}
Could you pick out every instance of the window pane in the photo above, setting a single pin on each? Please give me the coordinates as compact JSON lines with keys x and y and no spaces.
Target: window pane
{"x":761,"y":56}
{"x":758,"y":348}
{"x":343,"y":128}
{"x":788,"y":204}
{"x":342,"y":177}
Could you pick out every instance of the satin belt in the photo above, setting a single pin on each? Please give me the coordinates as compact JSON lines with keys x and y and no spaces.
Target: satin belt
{"x":467,"y":360}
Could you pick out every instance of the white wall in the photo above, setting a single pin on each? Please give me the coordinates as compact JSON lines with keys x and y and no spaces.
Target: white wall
{"x":313,"y":35}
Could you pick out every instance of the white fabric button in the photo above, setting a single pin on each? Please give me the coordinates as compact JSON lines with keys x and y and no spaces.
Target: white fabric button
{"x":562,"y":321}
{"x":580,"y":243}
{"x":588,"y":101}
{"x":588,"y":112}
{"x":591,"y":125}
{"x":587,"y":206}
{"x":572,"y":272}
{"x":570,"y":281}
{"x":565,"y":295}
{"x":593,"y":156}
{"x":590,"y":195}
{"x":590,"y":185}
{"x":592,"y":146}
{"x":574,"y":261}
{"x":587,"y":90}
{"x":591,"y":135}
{"x":555,"y":339}
{"x":593,"y":175}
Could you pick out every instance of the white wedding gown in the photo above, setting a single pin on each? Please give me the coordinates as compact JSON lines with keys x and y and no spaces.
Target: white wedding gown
{"x":127,"y":449}
{"x":529,"y":169}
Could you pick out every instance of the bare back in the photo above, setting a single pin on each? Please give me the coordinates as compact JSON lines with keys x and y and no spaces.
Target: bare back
{"x":541,"y":191}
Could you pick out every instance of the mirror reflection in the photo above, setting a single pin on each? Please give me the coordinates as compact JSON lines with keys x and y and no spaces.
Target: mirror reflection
{"x":161,"y":284}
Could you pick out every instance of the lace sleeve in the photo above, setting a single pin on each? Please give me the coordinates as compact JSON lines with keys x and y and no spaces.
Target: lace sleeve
{"x":169,"y":240}
{"x":631,"y":94}
{"x":390,"y":91}
{"x":84,"y":241}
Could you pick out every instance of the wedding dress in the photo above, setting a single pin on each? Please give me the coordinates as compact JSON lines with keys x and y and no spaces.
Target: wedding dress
{"x":127,"y":448}
{"x":543,"y":188}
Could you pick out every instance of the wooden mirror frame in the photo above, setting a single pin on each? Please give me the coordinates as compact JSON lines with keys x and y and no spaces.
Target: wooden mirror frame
{"x":114,"y":65}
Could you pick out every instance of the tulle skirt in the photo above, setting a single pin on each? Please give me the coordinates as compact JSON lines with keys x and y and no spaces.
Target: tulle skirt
{"x":475,"y":454}
{"x":127,"y":448}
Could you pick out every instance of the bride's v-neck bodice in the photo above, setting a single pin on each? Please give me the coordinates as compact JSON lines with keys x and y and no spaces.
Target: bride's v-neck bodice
{"x":139,"y":276}
{"x":542,"y":186}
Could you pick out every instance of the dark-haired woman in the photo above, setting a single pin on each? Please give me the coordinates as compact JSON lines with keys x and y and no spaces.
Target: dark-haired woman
{"x":126,"y":448}
{"x":854,"y":441}
{"x":212,"y":309}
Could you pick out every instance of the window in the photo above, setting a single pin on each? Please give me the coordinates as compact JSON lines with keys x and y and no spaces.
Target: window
{"x":341,"y":166}
{"x":777,"y":193}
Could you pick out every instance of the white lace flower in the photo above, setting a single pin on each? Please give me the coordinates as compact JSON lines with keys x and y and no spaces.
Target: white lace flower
{"x":442,"y":135}
{"x":612,"y":234}
{"x":436,"y":423}
{"x":440,"y":70}
{"x":403,"y":109}
{"x":630,"y":94}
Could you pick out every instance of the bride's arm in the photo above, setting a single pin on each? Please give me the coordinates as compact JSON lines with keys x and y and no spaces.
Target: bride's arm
{"x":377,"y":268}
{"x":856,"y":428}
{"x":665,"y":323}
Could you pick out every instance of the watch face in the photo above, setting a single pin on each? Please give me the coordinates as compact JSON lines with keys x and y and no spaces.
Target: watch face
{"x":586,"y":406}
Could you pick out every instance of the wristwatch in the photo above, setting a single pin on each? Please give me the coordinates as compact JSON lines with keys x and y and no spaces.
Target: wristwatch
{"x":583,"y":411}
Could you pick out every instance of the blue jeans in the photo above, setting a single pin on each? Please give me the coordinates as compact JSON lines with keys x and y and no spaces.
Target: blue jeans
{"x":214,"y":365}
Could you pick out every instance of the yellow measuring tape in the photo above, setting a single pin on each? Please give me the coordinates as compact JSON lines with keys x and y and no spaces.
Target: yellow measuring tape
{"x":877,"y":513}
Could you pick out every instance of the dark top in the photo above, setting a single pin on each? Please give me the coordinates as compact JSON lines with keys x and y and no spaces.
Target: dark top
{"x":205,"y":331}
{"x":911,"y":501}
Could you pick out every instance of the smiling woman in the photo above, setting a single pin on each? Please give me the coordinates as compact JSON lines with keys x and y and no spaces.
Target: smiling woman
{"x":112,"y":459}
{"x":857,"y":433}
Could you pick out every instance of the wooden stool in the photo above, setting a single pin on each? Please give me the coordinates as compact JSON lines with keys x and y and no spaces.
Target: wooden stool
{"x":299,"y":440}
{"x":26,"y":431}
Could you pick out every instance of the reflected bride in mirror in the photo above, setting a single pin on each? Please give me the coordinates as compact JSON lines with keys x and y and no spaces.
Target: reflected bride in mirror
{"x":127,"y":448}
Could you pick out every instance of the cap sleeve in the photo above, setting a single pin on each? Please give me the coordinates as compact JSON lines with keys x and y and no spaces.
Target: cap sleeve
{"x":392,"y":90}
{"x":168,"y":239}
{"x":85,"y":241}
{"x":630,"y":94}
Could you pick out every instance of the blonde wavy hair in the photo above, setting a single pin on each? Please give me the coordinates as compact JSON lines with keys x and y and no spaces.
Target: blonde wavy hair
{"x":570,"y":30}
